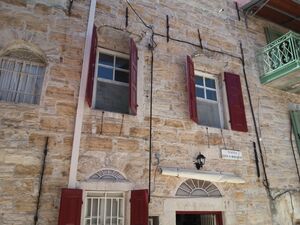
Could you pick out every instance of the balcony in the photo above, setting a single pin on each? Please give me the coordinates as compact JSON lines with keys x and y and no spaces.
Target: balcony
{"x":279,"y":63}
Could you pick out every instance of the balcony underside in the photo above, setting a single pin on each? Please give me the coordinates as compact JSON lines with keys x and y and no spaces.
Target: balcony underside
{"x":286,"y":78}
{"x":283,"y":12}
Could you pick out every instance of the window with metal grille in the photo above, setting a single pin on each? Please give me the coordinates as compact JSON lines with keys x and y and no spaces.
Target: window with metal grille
{"x":21,"y":80}
{"x":208,"y":100}
{"x":104,"y":208}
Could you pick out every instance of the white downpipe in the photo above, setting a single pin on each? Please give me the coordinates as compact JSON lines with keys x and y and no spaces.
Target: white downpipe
{"x":81,"y":97}
{"x":201,"y":175}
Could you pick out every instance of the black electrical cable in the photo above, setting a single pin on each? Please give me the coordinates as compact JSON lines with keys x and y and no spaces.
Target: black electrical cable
{"x":41,"y":182}
{"x":70,"y":7}
{"x":266,"y":184}
{"x":123,"y":30}
{"x":141,"y":19}
{"x":256,"y":160}
{"x":291,"y":140}
{"x":151,"y":46}
{"x":198,"y":45}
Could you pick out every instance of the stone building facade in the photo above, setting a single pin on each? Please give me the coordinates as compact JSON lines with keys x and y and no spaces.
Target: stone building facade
{"x":114,"y":147}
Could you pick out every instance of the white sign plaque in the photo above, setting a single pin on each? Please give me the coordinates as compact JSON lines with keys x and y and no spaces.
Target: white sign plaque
{"x":231,"y":154}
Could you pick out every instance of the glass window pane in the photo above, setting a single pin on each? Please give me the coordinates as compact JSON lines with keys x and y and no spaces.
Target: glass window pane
{"x":114,"y":221}
{"x":95,"y":207}
{"x":105,"y":73}
{"x":108,"y":208}
{"x":121,"y":76}
{"x":212,"y":95}
{"x":34,"y":70}
{"x":121,"y":208}
{"x":108,"y":221}
{"x":94,"y":221}
{"x":122,"y":63}
{"x":121,"y":222}
{"x":199,"y":80}
{"x":210,"y":83}
{"x":200,"y":92}
{"x":114,"y":208}
{"x":87,"y":222}
{"x":101,"y":211}
{"x":106,"y":59}
{"x":88,"y":208}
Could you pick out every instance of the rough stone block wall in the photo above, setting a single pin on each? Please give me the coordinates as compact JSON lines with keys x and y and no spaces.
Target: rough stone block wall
{"x":121,"y":142}
{"x":116,"y":142}
{"x":23,"y":127}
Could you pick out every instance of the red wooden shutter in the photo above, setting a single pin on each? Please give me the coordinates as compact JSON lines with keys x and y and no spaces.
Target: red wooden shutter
{"x":235,"y":102}
{"x":190,"y":77}
{"x":91,"y":73}
{"x":139,"y":207}
{"x":70,"y":207}
{"x":133,"y":78}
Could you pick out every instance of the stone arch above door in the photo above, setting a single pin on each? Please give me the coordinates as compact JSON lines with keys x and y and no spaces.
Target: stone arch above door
{"x":197,"y":188}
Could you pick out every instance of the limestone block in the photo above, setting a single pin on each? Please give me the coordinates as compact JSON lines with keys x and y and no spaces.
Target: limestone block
{"x":174,"y":123}
{"x":65,"y":109}
{"x":140,"y":132}
{"x":98,"y":144}
{"x":27,"y":170}
{"x":14,"y":159}
{"x":127,"y":144}
{"x":109,"y":128}
{"x":21,"y":3}
{"x":60,"y":92}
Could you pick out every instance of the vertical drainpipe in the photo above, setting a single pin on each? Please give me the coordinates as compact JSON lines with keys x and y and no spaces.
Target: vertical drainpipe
{"x":81,"y":97}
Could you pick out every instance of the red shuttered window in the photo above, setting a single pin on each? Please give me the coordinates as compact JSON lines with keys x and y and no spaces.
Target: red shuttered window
{"x":235,"y":102}
{"x":70,"y":207}
{"x":91,"y":73}
{"x":190,"y":77}
{"x":133,"y":78}
{"x":116,"y":79}
{"x":139,"y":207}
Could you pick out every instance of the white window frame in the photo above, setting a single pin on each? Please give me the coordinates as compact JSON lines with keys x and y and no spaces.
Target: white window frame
{"x":96,"y":79}
{"x":218,"y":93}
{"x":86,"y":196}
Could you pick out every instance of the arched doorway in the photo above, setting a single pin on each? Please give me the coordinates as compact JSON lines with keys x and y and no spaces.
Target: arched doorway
{"x":202,"y":190}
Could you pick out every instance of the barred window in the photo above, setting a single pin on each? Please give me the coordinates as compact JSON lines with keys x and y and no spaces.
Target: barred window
{"x":104,"y":208}
{"x":21,"y":79}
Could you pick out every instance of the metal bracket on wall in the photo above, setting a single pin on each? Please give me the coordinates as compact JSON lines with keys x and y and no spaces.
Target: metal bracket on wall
{"x":126,"y":17}
{"x":237,"y":10}
{"x":168,"y":29}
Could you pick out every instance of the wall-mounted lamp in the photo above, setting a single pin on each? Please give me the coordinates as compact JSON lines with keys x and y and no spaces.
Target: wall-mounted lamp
{"x":200,"y":161}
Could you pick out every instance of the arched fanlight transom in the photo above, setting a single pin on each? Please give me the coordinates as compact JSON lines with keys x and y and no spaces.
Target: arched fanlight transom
{"x":197,"y":188}
{"x":108,"y":175}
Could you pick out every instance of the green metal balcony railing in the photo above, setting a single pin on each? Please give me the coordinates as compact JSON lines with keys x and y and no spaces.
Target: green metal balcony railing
{"x":280,"y":58}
